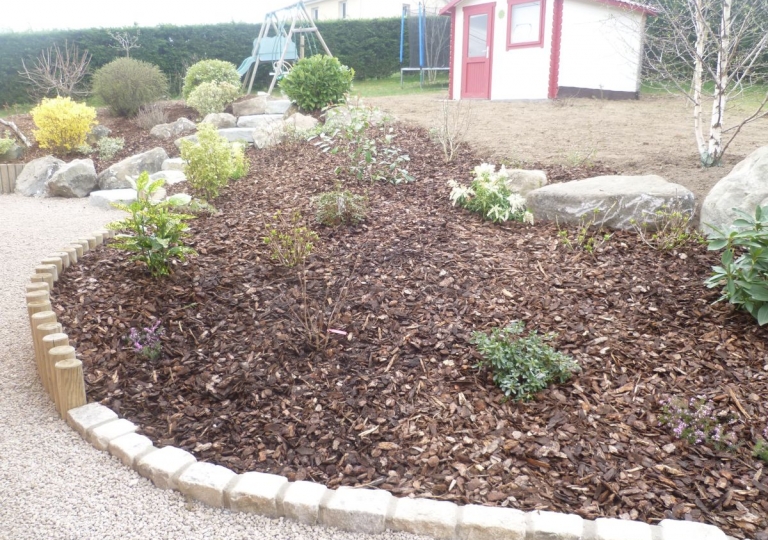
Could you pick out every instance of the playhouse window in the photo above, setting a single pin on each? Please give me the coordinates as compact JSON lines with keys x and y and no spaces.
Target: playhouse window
{"x":525,"y":23}
{"x":315,"y":14}
{"x":342,"y":10}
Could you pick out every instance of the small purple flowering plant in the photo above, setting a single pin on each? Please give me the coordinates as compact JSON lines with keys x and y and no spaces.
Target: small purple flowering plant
{"x":146,"y":341}
{"x":697,"y":422}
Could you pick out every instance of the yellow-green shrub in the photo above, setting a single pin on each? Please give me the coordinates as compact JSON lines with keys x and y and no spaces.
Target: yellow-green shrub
{"x":62,"y":124}
{"x":210,"y":162}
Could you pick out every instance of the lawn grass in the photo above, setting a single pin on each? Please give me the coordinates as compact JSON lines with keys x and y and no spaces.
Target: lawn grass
{"x":390,"y":86}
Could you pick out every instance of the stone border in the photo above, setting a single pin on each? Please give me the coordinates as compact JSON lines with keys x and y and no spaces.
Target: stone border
{"x":361,"y":510}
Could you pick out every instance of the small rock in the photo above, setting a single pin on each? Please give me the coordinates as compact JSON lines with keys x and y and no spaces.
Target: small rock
{"x":220,"y":120}
{"x":434,"y":461}
{"x":669,"y":448}
{"x":174,"y":129}
{"x":97,"y":133}
{"x":257,"y":105}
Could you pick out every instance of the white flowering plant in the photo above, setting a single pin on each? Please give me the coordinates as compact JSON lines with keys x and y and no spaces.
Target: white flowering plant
{"x":490,"y":196}
{"x":213,"y":97}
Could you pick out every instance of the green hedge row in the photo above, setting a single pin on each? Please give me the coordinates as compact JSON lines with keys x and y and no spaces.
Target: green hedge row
{"x":371,"y":47}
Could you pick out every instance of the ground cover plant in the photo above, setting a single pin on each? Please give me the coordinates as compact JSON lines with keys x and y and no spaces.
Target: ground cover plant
{"x":385,"y":391}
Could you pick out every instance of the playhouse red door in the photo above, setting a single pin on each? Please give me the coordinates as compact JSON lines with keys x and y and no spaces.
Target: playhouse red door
{"x":478,"y":51}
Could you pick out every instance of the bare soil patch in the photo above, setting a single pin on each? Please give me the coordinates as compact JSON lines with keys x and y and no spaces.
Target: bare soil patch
{"x":397,"y":402}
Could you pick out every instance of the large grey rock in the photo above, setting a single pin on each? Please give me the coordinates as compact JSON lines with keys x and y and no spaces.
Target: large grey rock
{"x":173,"y":164}
{"x":231,"y":134}
{"x":257,"y":105}
{"x":31,"y":182}
{"x":171,"y":177}
{"x":105,"y":198}
{"x":119,"y":175}
{"x":220,"y":120}
{"x":277,"y":106}
{"x":74,"y":179}
{"x":612,"y":201}
{"x":259,"y":120}
{"x":97,"y":133}
{"x":301,"y":122}
{"x":523,"y":181}
{"x":269,"y":134}
{"x":744,"y":188}
{"x":14,"y":153}
{"x":173,"y":130}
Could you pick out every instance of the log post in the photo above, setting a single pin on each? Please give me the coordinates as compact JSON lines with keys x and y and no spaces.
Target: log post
{"x":56,"y":261}
{"x":106,"y":233}
{"x":70,"y":385}
{"x":37,"y":286}
{"x":64,"y":256}
{"x":56,"y":355}
{"x":78,"y":249}
{"x":37,"y":296}
{"x":37,"y":307}
{"x":50,"y":336}
{"x":85,"y":243}
{"x":91,"y":241}
{"x":99,"y":237}
{"x":35,"y":321}
{"x":42,"y":277}
{"x":72,"y":252}
{"x":47,"y":269}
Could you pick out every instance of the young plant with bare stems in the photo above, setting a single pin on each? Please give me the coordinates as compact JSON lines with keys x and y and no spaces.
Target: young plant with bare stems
{"x":125,"y":41}
{"x":452,"y":126}
{"x":58,"y":70}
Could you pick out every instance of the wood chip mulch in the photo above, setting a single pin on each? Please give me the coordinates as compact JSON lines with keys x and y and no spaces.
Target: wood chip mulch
{"x":394,"y":400}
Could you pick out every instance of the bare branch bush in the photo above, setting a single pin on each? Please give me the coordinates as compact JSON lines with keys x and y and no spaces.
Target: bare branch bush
{"x":718,"y":46}
{"x":57,"y":70}
{"x":125,"y":41}
{"x":451,"y":129}
{"x":150,"y":115}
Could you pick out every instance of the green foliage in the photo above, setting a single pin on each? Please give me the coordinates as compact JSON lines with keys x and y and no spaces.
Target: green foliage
{"x":62,"y":124}
{"x":760,"y":449}
{"x":209,"y":71}
{"x":212,"y":97}
{"x":289,"y":242}
{"x":522,"y":366}
{"x":156,"y":231}
{"x":339,"y":206}
{"x":240,"y":162}
{"x":671,"y":229}
{"x":743,"y":270}
{"x":490,"y":196}
{"x":6,"y":144}
{"x":317,"y":82}
{"x":209,"y":163}
{"x":126,"y":84}
{"x":109,"y":146}
{"x":588,"y":236}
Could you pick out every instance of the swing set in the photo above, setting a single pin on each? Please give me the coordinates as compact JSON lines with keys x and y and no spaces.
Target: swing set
{"x":275,"y":43}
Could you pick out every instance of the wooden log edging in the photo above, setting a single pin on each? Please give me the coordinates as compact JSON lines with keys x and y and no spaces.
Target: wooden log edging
{"x":8,"y":174}
{"x":370,"y":511}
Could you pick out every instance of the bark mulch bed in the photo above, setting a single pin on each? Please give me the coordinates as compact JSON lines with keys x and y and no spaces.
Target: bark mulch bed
{"x":397,"y":402}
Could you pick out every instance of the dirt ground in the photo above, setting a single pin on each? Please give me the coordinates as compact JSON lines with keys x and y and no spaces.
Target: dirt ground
{"x":653,"y":135}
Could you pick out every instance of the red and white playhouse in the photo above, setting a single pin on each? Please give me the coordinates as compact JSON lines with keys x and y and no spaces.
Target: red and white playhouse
{"x":539,"y":49}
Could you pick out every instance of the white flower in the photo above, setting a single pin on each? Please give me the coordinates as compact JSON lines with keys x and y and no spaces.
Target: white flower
{"x":486,"y":169}
{"x":459,"y":193}
{"x":502,"y":173}
{"x":516,"y":202}
{"x":528,"y":218}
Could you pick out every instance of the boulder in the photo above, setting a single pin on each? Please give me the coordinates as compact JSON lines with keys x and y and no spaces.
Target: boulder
{"x":269,"y":134}
{"x":173,"y":164}
{"x":257,"y":105}
{"x":31,"y":182}
{"x":744,"y":188}
{"x":277,"y":106}
{"x":170,"y":177}
{"x":612,"y":201}
{"x":14,"y":153}
{"x":105,"y":198}
{"x":231,"y":134}
{"x":173,"y":130}
{"x":97,"y":133}
{"x":259,"y":120}
{"x":301,"y":122}
{"x":119,"y":175}
{"x":220,"y":120}
{"x":75,"y":179}
{"x":523,"y":181}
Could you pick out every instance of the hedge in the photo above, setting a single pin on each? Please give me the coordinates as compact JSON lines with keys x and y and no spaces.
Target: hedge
{"x":371,"y":47}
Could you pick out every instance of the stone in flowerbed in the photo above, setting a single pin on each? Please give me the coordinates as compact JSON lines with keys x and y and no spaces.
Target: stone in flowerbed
{"x":391,"y":398}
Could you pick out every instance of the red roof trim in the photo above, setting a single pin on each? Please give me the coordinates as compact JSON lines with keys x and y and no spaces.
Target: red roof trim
{"x":624,"y":4}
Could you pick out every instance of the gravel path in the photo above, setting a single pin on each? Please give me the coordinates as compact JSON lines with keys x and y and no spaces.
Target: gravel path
{"x":53,"y":485}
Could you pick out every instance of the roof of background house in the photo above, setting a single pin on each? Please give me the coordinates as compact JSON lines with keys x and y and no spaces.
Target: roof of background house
{"x":625,"y":4}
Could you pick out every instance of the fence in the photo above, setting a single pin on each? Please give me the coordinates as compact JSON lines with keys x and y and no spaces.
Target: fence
{"x":8,"y":174}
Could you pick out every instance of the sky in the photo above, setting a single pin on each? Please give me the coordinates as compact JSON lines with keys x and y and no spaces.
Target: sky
{"x":39,"y":15}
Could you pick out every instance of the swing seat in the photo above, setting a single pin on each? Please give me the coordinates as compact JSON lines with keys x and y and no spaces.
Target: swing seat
{"x":281,"y":69}
{"x":270,"y":50}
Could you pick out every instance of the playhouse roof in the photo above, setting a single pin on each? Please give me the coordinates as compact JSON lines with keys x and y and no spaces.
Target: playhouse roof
{"x":625,"y":4}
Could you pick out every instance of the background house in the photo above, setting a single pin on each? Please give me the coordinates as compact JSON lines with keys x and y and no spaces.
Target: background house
{"x":324,"y":10}
{"x":538,"y":49}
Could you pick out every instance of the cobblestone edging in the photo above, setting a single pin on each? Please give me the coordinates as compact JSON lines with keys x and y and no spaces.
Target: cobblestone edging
{"x":354,"y":509}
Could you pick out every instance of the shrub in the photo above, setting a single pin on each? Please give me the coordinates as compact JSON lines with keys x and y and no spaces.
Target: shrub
{"x":525,"y":365}
{"x":150,"y":115}
{"x":212,"y":97}
{"x":588,"y":236}
{"x":490,"y":196}
{"x":209,"y":163}
{"x":126,"y":84}
{"x":6,"y":144}
{"x":289,"y":242}
{"x":744,"y":278}
{"x":62,"y":124}
{"x":317,"y":81}
{"x":157,"y":232}
{"x":671,"y":228}
{"x":209,"y":71}
{"x":240,"y":163}
{"x":109,"y":147}
{"x":339,"y":206}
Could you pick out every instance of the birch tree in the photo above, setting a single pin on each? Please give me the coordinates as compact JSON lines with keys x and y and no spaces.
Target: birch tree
{"x":715,"y":47}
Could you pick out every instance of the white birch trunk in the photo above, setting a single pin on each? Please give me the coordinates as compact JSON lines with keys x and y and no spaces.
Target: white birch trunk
{"x":701,"y":38}
{"x":715,"y":145}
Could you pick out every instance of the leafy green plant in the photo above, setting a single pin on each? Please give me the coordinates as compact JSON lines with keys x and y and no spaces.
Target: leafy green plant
{"x":213,"y":97}
{"x":290,"y":243}
{"x":339,"y":206}
{"x":522,"y":366}
{"x":760,"y":450}
{"x":317,"y":81}
{"x":156,"y":232}
{"x":146,"y":341}
{"x":62,"y":124}
{"x":209,"y":162}
{"x":240,"y":162}
{"x":109,"y":146}
{"x":697,"y":422}
{"x":209,"y":71}
{"x":743,"y":269}
{"x":125,"y":84}
{"x":671,"y":228}
{"x":6,"y":144}
{"x":588,"y":236}
{"x":490,"y":196}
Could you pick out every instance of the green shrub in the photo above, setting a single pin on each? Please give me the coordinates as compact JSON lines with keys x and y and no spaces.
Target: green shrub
{"x":209,"y":71}
{"x":62,"y":124}
{"x":213,"y":97}
{"x":6,"y":144}
{"x":126,"y":84}
{"x":744,"y":278}
{"x":670,"y":229}
{"x":209,"y":163}
{"x":490,"y":196}
{"x":109,"y":146}
{"x":339,"y":206}
{"x":522,"y":366}
{"x":240,"y":163}
{"x":156,"y":231}
{"x":317,"y":82}
{"x":289,"y":242}
{"x":588,"y":236}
